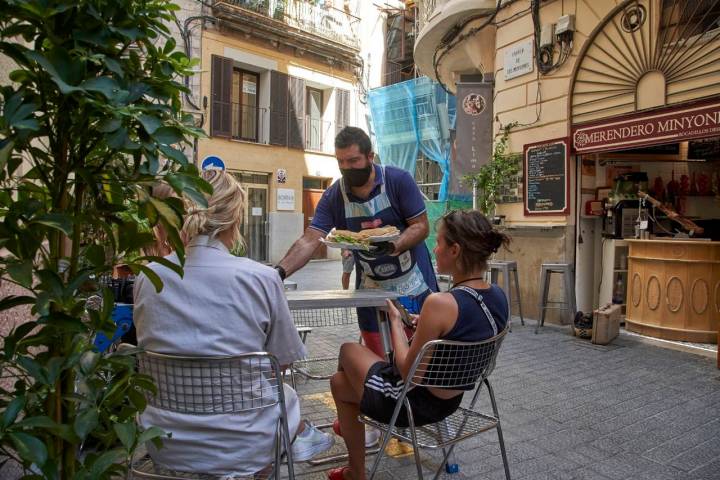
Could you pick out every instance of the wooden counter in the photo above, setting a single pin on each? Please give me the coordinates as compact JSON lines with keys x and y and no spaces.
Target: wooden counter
{"x":673,"y":289}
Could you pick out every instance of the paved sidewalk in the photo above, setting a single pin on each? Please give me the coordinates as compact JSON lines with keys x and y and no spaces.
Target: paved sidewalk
{"x":569,"y":409}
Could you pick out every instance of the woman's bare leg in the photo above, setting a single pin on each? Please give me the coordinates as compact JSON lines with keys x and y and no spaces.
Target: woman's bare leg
{"x":347,"y":388}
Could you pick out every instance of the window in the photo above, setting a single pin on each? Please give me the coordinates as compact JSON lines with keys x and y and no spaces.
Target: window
{"x":684,"y":21}
{"x":314,"y":121}
{"x":428,"y":177}
{"x":245,"y":112}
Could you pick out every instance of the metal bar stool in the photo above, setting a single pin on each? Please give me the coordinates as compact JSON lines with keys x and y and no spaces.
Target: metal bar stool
{"x":506,"y":267}
{"x":568,"y":302}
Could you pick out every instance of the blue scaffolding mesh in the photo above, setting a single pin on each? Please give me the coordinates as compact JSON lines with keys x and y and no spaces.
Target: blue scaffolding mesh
{"x":411,"y":117}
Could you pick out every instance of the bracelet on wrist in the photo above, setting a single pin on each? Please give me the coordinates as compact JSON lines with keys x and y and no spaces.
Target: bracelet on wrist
{"x":281,"y":271}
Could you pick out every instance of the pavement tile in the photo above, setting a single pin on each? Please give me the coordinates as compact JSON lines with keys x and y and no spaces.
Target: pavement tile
{"x":570,"y":410}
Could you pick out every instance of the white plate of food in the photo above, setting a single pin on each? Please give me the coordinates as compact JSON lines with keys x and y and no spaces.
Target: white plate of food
{"x":361,"y":240}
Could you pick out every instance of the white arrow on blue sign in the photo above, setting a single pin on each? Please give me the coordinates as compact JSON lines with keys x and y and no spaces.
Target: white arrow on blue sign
{"x":212,"y":162}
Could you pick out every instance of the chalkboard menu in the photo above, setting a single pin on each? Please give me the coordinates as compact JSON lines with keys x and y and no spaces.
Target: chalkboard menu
{"x":546,"y":178}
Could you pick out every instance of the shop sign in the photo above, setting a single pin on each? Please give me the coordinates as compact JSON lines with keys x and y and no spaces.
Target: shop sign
{"x":473,"y":136}
{"x":285,"y":199}
{"x":519,"y":59}
{"x":670,"y":125}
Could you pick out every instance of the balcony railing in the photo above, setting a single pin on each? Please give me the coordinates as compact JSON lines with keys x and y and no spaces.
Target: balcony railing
{"x":321,"y":20}
{"x":317,"y":132}
{"x":426,"y":8}
{"x":252,"y":124}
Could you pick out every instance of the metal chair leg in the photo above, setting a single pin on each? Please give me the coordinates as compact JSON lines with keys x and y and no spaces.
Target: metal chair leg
{"x":413,"y":437}
{"x":386,"y":439}
{"x":519,"y":298}
{"x":544,"y":290}
{"x":506,"y":465}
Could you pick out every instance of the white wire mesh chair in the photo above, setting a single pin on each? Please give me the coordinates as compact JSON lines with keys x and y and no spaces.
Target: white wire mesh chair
{"x":319,"y":368}
{"x":216,"y":385}
{"x":450,"y":365}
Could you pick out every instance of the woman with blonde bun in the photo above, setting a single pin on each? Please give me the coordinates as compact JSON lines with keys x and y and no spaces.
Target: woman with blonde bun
{"x":222,"y":305}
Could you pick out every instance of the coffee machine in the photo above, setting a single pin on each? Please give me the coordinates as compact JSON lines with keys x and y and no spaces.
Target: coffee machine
{"x":619,"y":220}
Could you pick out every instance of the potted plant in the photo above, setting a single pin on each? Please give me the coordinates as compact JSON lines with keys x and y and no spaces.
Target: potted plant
{"x":494,"y":175}
{"x":91,"y":120}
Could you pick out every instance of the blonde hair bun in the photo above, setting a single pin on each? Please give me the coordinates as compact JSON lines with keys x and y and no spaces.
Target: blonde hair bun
{"x":225,"y":210}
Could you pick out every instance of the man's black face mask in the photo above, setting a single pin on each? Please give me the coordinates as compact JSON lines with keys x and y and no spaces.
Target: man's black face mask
{"x":356,"y":177}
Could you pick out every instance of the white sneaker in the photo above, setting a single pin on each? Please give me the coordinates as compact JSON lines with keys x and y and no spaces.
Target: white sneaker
{"x":311,"y":442}
{"x":372,"y":436}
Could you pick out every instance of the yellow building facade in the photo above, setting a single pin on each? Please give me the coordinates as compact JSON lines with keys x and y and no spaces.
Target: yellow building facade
{"x":566,"y":70}
{"x":276,"y":88}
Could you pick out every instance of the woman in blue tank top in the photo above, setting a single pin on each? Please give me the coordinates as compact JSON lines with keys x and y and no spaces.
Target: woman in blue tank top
{"x":471,"y":311}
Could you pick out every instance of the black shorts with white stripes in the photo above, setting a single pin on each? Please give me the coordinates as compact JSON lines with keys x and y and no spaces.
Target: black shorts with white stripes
{"x":383,"y":385}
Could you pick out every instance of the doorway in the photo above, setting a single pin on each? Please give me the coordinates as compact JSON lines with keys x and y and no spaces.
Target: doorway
{"x":255,"y":226}
{"x":313,"y":189}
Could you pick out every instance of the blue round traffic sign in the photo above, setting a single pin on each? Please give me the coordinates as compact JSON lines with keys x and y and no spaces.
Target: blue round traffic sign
{"x":212,"y":162}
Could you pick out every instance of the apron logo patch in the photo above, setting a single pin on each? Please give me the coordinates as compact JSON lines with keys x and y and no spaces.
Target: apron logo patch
{"x":406,"y":262}
{"x":385,"y":270}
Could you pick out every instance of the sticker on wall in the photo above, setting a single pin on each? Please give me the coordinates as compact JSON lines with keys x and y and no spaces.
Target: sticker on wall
{"x":281,"y":175}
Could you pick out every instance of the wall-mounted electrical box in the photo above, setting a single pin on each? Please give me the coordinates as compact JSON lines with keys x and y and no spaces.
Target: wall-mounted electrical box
{"x":547,"y":37}
{"x":566,"y":23}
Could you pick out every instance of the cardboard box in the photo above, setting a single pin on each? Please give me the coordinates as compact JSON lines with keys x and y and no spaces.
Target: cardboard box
{"x":606,"y":325}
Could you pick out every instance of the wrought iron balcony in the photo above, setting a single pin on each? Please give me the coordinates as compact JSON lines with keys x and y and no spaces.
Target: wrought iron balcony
{"x":314,"y":17}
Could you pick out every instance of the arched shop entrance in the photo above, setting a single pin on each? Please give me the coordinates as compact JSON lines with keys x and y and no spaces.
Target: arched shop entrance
{"x":645,"y":114}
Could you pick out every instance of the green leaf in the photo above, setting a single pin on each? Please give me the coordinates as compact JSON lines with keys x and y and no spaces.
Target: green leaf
{"x":12,"y":301}
{"x":95,"y":255}
{"x":164,"y":262}
{"x":153,"y":434}
{"x":85,"y":422}
{"x":105,"y":461}
{"x":151,"y":275}
{"x":37,"y":422}
{"x":29,"y":448}
{"x":104,"y":85}
{"x":58,"y":221}
{"x":109,"y":125}
{"x":22,"y":273}
{"x":34,"y":369}
{"x":166,"y":212}
{"x":6,"y":148}
{"x":150,"y":123}
{"x":174,"y":154}
{"x":55,"y":74}
{"x":168,"y":135}
{"x":126,"y":432}
{"x":12,"y":410}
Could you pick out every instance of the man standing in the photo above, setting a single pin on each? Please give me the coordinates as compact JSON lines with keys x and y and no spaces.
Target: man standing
{"x":372,"y":196}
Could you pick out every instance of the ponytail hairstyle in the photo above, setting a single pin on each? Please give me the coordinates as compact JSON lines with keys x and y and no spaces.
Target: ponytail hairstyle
{"x":225,"y":210}
{"x":475,"y":235}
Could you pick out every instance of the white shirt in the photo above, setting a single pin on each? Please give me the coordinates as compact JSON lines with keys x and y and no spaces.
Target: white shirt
{"x":223,"y":305}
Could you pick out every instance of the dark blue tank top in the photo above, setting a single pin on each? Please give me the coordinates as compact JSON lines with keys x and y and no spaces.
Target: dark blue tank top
{"x":472,"y":324}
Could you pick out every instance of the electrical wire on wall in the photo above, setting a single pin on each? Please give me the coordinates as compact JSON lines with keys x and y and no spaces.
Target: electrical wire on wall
{"x":453,"y":37}
{"x":545,"y":54}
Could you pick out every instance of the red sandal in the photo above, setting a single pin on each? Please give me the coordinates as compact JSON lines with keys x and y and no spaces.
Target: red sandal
{"x":336,"y":427}
{"x":338,"y":473}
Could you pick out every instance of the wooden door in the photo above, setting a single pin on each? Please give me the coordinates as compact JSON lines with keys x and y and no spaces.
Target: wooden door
{"x":311,"y":197}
